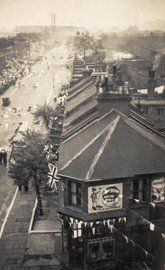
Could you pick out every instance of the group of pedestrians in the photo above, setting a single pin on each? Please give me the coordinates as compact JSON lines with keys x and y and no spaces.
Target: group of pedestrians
{"x":3,"y":157}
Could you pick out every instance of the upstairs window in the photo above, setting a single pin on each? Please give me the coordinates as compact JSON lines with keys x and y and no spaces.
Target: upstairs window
{"x":140,"y":189}
{"x":160,"y":113}
{"x":145,"y":110}
{"x":75,"y":194}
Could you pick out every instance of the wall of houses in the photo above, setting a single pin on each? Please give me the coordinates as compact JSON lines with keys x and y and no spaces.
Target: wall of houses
{"x":88,"y":228}
{"x":155,"y":114}
{"x":119,"y":102}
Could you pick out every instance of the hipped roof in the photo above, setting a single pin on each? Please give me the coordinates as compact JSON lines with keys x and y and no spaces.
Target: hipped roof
{"x":113,"y":146}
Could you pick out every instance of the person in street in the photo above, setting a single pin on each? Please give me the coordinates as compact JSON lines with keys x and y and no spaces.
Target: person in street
{"x":26,"y":186}
{"x":0,"y":156}
{"x":4,"y":157}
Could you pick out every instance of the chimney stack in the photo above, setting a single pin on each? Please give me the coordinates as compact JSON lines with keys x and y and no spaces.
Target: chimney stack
{"x":152,"y":83}
{"x":114,"y":78}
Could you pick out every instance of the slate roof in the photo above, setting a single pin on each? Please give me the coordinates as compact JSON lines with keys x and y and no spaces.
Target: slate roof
{"x":75,"y":143}
{"x":77,"y":114}
{"x":81,"y":98}
{"x":112,"y":147}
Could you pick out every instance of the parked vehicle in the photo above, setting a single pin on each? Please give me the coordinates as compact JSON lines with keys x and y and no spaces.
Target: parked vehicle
{"x":5,"y":101}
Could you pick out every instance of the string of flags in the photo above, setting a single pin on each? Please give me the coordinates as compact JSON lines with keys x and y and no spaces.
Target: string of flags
{"x":51,"y":153}
{"x":152,"y":226}
{"x":77,"y":225}
{"x":141,"y":201}
{"x":77,"y":230}
{"x":129,"y":240}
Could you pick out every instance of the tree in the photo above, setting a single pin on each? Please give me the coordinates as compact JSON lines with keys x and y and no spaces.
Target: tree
{"x":29,"y":162}
{"x":46,"y":112}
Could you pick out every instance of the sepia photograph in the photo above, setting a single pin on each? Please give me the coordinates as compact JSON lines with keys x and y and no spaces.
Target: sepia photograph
{"x":82,"y":134}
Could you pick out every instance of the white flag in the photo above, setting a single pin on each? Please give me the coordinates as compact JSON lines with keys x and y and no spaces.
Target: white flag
{"x":146,"y":253}
{"x":93,"y":230}
{"x":74,"y":233}
{"x":152,"y":226}
{"x":153,"y":205}
{"x":163,"y":235}
{"x":126,"y":238}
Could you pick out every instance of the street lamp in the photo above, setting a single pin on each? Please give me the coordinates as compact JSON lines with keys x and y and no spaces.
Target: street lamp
{"x":53,"y":80}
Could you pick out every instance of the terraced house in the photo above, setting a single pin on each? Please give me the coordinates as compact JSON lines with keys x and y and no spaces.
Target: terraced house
{"x":112,"y":176}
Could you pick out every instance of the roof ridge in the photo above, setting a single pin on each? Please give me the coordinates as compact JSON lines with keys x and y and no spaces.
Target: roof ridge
{"x":149,"y":135}
{"x":97,"y":120}
{"x":111,"y":129}
{"x":87,"y":146}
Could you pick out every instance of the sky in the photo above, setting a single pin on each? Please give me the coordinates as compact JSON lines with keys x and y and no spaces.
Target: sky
{"x":94,"y":14}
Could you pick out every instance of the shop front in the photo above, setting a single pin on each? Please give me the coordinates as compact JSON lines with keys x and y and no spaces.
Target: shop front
{"x":92,"y":243}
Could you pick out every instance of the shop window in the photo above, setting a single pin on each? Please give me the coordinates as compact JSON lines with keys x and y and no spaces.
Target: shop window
{"x":101,"y":249}
{"x":94,"y":251}
{"x":75,"y":194}
{"x":107,"y":248}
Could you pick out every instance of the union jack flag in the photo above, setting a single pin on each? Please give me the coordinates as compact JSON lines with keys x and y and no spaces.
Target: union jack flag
{"x":53,"y":179}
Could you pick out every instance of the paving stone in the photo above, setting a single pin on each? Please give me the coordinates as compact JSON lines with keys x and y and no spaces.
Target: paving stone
{"x":35,"y":244}
{"x":48,"y":225}
{"x":3,"y":259}
{"x":12,"y":261}
{"x":31,"y":268}
{"x":43,"y":262}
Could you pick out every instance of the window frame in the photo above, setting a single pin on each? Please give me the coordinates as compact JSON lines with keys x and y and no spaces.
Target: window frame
{"x":77,"y":194}
{"x":100,"y":242}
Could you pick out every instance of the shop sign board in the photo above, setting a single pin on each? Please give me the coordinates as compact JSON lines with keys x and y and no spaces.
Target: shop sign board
{"x":158,"y":190}
{"x":105,"y":197}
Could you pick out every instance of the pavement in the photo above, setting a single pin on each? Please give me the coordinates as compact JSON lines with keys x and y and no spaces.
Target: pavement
{"x":37,"y":248}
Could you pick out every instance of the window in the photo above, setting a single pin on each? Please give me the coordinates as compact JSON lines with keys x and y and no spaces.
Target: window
{"x":101,"y":249}
{"x":160,"y":113}
{"x":75,"y":194}
{"x":77,"y":230}
{"x":94,"y":251}
{"x":107,"y":248}
{"x":145,"y":110}
{"x":139,"y":189}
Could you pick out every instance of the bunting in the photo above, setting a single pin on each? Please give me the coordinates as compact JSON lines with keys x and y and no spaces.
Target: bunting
{"x":163,"y":235}
{"x":133,"y":243}
{"x":93,"y":230}
{"x":152,"y":227}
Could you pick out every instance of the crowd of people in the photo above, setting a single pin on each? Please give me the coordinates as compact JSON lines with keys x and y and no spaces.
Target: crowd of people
{"x":14,"y":70}
{"x":60,"y":100}
{"x":17,"y":67}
